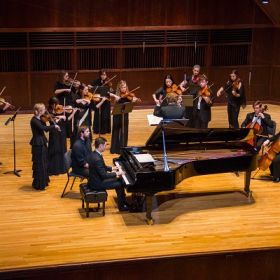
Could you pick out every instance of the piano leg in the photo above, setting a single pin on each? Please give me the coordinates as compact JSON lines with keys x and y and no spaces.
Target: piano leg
{"x":149,"y":208}
{"x":247,"y":178}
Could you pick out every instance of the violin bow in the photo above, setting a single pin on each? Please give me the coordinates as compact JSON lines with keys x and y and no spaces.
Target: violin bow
{"x":2,"y":90}
{"x":73,"y":80}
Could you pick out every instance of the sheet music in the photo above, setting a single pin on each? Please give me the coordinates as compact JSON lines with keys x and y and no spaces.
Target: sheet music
{"x":144,"y":158}
{"x":153,"y":120}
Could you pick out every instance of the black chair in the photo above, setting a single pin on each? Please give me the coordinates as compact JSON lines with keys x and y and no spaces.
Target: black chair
{"x":67,"y":162}
{"x":272,"y":130}
{"x":89,"y":196}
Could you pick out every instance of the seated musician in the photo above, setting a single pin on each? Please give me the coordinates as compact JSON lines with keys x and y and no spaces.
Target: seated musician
{"x":275,"y":165}
{"x":202,"y":105}
{"x":172,"y":110}
{"x":80,"y":150}
{"x":159,"y":95}
{"x":259,"y":121}
{"x":101,"y":176}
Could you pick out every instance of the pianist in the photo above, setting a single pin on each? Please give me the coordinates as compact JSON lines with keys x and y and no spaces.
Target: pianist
{"x":172,"y":110}
{"x":102,"y":177}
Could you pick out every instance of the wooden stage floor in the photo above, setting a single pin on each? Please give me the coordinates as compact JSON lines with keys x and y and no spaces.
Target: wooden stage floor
{"x":203,"y":214}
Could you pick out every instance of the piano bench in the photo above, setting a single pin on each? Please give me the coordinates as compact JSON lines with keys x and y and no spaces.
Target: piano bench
{"x":90,"y":196}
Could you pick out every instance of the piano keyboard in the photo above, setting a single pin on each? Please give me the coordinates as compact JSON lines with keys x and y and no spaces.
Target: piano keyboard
{"x":123,"y":176}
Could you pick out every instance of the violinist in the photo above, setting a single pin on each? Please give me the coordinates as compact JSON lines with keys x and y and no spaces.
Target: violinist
{"x":39,"y":147}
{"x":4,"y":105}
{"x":190,"y":85}
{"x":202,"y":104}
{"x":275,"y":162}
{"x":103,"y":111}
{"x":260,"y":122}
{"x":235,"y":94}
{"x":57,"y":139}
{"x":122,"y":92}
{"x":160,"y":95}
{"x":66,"y":94}
{"x":83,"y":113}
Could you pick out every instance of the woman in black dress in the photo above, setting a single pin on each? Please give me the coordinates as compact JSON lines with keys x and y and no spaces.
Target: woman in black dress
{"x":39,"y":148}
{"x":82,"y":113}
{"x":102,"y":113}
{"x":57,"y":139}
{"x":122,"y":96}
{"x":235,"y":93}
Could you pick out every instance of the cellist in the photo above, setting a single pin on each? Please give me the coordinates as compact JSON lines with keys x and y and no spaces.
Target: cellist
{"x":275,"y":164}
{"x":259,"y":121}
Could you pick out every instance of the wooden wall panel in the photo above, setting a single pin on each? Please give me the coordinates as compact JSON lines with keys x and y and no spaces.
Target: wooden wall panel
{"x":275,"y":78}
{"x":116,"y":13}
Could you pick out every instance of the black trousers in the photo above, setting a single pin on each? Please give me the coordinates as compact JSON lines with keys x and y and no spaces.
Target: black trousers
{"x":233,"y":113}
{"x":118,"y":134}
{"x":197,"y":121}
{"x":114,"y":183}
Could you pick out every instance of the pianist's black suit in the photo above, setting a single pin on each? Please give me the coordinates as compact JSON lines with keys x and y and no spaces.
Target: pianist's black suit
{"x":172,"y":111}
{"x":265,"y":123}
{"x":101,"y":177}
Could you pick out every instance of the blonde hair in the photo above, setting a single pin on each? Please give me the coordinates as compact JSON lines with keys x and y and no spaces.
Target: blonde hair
{"x":38,"y":107}
{"x":119,"y":85}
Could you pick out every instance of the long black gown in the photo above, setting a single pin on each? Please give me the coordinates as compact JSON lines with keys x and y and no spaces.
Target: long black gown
{"x":104,"y":112}
{"x":117,"y":141}
{"x":57,"y":149}
{"x":39,"y":153}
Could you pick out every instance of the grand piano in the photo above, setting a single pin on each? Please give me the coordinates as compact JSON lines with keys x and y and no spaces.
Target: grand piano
{"x":175,"y":152}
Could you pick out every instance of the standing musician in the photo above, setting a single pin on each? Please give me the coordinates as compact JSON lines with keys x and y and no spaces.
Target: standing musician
{"x":57,"y":139}
{"x":274,"y":155}
{"x":39,"y":147}
{"x":260,"y":122}
{"x":103,"y":177}
{"x":235,"y":94}
{"x":65,"y":91}
{"x":4,"y":105}
{"x":104,"y":87}
{"x":124,"y":96}
{"x":160,"y":95}
{"x":190,"y":85}
{"x":202,"y":104}
{"x":82,"y":114}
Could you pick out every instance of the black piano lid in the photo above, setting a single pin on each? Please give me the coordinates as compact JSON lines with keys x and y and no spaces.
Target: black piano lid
{"x":176,"y":132}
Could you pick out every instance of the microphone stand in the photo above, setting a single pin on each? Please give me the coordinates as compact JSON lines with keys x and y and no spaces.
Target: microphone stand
{"x":12,"y":119}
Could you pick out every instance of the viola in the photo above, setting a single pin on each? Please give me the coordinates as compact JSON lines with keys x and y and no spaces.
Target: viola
{"x":60,"y":109}
{"x":96,"y":97}
{"x":174,"y":89}
{"x":266,"y":160}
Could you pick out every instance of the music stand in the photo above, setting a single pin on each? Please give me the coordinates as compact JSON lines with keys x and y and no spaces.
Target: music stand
{"x":187,"y":101}
{"x":121,"y":109}
{"x":12,"y":119}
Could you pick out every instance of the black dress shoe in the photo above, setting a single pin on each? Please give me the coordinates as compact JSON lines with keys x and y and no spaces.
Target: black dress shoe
{"x":276,"y":180}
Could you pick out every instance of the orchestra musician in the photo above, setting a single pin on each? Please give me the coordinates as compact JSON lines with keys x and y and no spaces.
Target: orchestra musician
{"x":65,"y":91}
{"x":57,"y":139}
{"x":103,"y":177}
{"x":160,"y":95}
{"x":39,"y":149}
{"x":82,"y":114}
{"x":104,"y":88}
{"x":275,"y":164}
{"x":4,"y":105}
{"x":202,"y":104}
{"x":173,"y":110}
{"x":80,"y":150}
{"x":124,"y":96}
{"x":235,"y":94}
{"x":260,"y":122}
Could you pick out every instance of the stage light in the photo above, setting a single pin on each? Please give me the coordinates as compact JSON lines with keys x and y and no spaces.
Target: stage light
{"x":265,"y":1}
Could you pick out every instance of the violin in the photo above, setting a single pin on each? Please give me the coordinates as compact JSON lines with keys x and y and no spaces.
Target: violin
{"x":266,"y":160}
{"x":204,"y":92}
{"x":236,"y":84}
{"x":256,"y":127}
{"x":129,"y":94}
{"x":60,"y":109}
